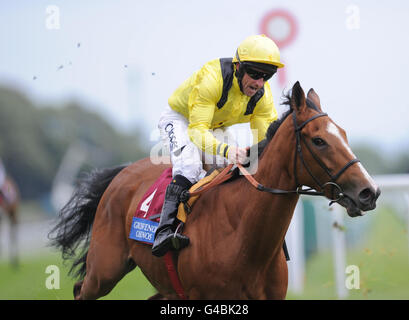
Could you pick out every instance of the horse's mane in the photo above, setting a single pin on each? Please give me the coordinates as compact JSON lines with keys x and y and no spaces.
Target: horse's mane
{"x":273,"y":127}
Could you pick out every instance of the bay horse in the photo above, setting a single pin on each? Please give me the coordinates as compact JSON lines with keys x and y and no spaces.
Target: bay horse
{"x":236,"y":230}
{"x":9,"y":205}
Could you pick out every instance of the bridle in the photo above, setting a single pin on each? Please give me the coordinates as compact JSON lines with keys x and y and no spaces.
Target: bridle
{"x":299,"y":154}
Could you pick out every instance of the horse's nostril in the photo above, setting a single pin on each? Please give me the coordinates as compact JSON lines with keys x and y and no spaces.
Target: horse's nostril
{"x":366,"y":196}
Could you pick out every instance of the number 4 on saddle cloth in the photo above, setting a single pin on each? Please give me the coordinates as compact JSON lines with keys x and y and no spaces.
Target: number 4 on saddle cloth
{"x":147,"y":215}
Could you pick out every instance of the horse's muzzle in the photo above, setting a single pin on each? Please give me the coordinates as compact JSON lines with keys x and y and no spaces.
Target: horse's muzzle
{"x":367,"y":198}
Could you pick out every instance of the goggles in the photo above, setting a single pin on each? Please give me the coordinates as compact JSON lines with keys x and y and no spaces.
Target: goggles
{"x":248,"y":67}
{"x":256,"y":74}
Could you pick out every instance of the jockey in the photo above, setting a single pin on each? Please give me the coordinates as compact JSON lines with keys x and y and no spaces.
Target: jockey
{"x":222,"y":93}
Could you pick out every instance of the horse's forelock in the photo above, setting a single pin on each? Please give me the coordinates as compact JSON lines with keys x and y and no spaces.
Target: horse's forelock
{"x":287,"y":101}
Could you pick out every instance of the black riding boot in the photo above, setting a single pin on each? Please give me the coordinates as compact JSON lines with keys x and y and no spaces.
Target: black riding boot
{"x":165,"y":238}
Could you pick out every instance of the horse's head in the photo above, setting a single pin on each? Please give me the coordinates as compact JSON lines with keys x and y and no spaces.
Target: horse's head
{"x":324,"y":160}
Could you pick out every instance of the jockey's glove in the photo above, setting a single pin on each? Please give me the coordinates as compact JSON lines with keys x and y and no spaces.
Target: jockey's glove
{"x":237,"y":155}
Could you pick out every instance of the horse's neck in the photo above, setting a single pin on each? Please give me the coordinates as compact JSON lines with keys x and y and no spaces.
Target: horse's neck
{"x":269,"y":215}
{"x":275,"y":168}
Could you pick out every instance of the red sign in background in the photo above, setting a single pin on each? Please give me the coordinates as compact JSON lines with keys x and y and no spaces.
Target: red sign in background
{"x":281,"y":26}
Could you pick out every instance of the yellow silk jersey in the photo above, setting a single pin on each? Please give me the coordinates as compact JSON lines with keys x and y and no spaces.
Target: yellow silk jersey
{"x":197,"y":98}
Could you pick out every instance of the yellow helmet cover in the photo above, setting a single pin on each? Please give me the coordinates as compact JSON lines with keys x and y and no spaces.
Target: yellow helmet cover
{"x":258,"y":48}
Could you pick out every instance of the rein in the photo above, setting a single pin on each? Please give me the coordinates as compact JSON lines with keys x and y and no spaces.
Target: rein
{"x":298,"y":151}
{"x":261,"y":187}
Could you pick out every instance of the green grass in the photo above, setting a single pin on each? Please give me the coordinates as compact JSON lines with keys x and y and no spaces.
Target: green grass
{"x":383,"y":262}
{"x":28,"y":282}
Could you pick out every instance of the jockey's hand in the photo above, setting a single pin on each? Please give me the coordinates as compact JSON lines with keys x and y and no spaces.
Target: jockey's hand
{"x":237,"y":155}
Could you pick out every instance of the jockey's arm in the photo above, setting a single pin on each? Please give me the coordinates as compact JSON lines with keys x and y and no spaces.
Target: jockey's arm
{"x":201,"y":136}
{"x":202,"y":106}
{"x":208,"y":143}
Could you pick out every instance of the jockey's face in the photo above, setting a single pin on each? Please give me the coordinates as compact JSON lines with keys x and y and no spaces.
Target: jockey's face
{"x":251,"y":86}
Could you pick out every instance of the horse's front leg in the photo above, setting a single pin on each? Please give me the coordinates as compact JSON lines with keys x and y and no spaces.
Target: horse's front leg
{"x":277,"y":278}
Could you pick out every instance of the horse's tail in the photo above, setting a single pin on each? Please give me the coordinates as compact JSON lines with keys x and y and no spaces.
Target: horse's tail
{"x":77,"y":216}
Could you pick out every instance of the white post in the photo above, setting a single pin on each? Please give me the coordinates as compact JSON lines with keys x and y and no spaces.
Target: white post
{"x":295,"y":245}
{"x":339,"y":250}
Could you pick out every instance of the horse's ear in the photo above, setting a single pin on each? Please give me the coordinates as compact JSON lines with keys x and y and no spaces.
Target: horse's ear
{"x":313,"y":96}
{"x":297,"y":97}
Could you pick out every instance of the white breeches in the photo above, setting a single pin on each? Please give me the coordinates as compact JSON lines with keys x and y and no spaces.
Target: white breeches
{"x":187,"y":159}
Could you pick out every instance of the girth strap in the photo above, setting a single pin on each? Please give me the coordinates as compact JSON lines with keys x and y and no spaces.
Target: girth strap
{"x":174,"y":279}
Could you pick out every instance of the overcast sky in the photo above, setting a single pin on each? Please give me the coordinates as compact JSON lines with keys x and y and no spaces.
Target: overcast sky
{"x":125,"y":58}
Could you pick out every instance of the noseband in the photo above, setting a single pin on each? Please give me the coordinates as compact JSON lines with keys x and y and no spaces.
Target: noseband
{"x":299,"y":154}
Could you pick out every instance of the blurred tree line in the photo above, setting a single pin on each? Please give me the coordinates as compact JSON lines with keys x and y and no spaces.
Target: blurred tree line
{"x":34,"y":140}
{"x":377,"y":161}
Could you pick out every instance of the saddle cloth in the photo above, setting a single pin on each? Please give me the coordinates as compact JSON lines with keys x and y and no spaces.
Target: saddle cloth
{"x":146,"y":218}
{"x":147,"y":215}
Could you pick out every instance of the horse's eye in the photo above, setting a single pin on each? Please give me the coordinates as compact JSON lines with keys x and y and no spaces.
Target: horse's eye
{"x":318,"y":142}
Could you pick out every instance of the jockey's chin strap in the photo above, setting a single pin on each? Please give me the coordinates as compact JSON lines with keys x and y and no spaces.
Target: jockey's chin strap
{"x":298,"y":151}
